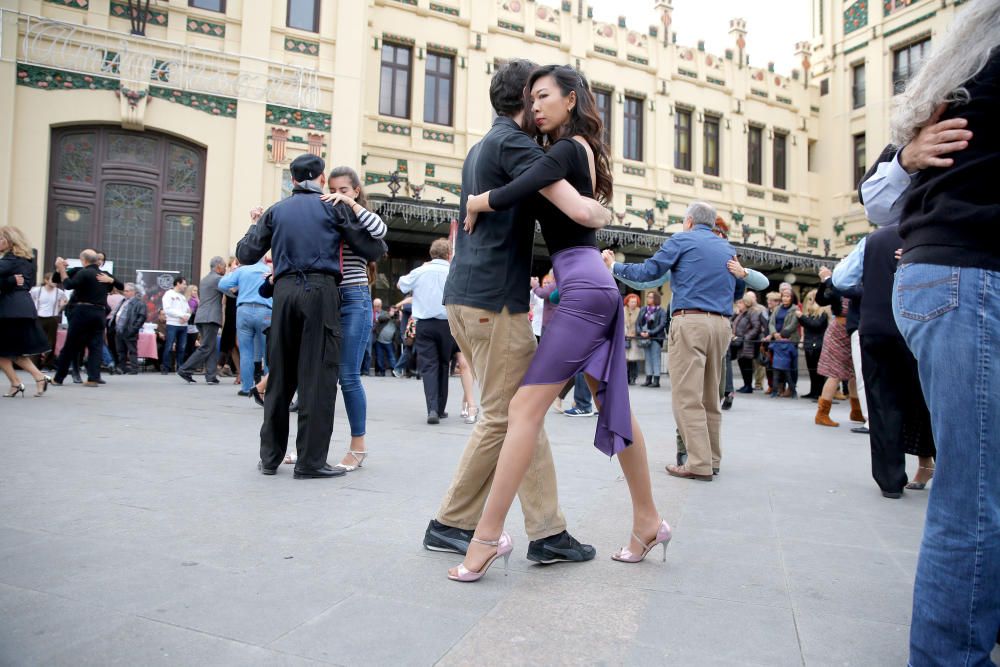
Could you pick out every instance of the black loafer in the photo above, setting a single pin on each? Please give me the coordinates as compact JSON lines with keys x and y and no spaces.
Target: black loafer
{"x":440,"y":537}
{"x":432,"y":418}
{"x":186,"y":376}
{"x":893,"y":495}
{"x":560,"y":548}
{"x":212,"y":381}
{"x":323,"y":473}
{"x":266,"y":471}
{"x":860,"y":429}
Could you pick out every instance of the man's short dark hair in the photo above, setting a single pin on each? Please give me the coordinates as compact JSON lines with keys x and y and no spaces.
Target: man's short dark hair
{"x":507,"y":86}
{"x":178,"y":280}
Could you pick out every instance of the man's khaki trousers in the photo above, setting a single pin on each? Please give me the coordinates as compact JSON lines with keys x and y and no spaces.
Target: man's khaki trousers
{"x":697,"y":343}
{"x":500,"y":347}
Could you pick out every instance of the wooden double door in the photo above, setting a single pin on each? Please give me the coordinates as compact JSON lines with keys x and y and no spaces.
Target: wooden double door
{"x":136,"y":196}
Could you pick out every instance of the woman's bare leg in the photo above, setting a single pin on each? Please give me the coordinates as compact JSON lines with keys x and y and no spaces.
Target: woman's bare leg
{"x":830,"y":388}
{"x":7,"y":365}
{"x":27,"y":364}
{"x":525,"y":419}
{"x":852,"y":388}
{"x":635,"y":467}
{"x":468,"y":386}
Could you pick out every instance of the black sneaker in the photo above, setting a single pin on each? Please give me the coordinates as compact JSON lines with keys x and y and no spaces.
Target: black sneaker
{"x":559,"y":548}
{"x":439,"y":537}
{"x":187,"y":377}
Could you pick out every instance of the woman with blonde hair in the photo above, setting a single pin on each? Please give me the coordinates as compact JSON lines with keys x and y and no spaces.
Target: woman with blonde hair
{"x":20,"y":335}
{"x":814,"y":321}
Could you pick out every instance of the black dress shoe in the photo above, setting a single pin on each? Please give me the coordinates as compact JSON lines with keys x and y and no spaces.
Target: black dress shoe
{"x":323,"y":473}
{"x":266,"y":471}
{"x":727,"y":402}
{"x":860,"y":429}
{"x":893,"y":495}
{"x":186,"y":376}
{"x":77,"y":379}
{"x":745,"y":390}
{"x":212,"y":381}
{"x":242,"y":393}
{"x":432,"y":418}
{"x":97,"y":381}
{"x":443,"y":415}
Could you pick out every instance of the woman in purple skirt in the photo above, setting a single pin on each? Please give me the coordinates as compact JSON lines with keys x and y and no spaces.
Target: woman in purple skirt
{"x":586,"y":333}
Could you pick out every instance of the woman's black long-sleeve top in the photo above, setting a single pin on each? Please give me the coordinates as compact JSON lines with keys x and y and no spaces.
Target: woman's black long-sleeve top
{"x":566,"y":159}
{"x":813,"y":328}
{"x":828,"y":295}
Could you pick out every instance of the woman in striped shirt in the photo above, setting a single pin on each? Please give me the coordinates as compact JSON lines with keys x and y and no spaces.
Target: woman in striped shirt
{"x":355,"y":310}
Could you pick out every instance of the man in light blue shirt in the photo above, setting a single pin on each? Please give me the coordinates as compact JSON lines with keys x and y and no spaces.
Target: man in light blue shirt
{"x":434,"y":344}
{"x":699,"y":332}
{"x":253,"y":316}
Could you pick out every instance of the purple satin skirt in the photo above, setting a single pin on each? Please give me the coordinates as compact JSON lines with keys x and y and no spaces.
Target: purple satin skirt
{"x":587,"y":333}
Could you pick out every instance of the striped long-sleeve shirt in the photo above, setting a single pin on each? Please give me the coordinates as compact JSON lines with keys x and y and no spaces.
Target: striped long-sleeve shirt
{"x":355,"y":268}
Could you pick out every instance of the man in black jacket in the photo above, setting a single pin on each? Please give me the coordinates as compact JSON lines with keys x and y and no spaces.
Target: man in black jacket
{"x":86,"y":318}
{"x":127,"y":321}
{"x":303,"y":235}
{"x":487,"y":307}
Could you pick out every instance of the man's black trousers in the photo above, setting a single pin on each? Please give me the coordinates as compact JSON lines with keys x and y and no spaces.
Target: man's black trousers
{"x":128,"y":352}
{"x":304,"y":349}
{"x":897,"y":413}
{"x":434,"y":346}
{"x":86,"y":329}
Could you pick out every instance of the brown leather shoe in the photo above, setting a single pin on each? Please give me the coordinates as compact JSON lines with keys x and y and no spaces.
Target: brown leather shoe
{"x":684,"y":473}
{"x":90,"y":383}
{"x":823,"y":413}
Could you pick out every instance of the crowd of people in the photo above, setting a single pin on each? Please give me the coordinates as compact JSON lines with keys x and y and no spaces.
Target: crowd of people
{"x":904,"y":328}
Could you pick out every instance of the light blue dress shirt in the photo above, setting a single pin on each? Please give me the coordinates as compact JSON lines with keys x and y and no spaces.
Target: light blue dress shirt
{"x":847,"y":273}
{"x":247,"y":279}
{"x":427,"y":284}
{"x":697,"y":261}
{"x":755,"y":280}
{"x":882,"y":193}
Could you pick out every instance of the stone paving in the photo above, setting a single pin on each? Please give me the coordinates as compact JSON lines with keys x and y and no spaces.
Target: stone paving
{"x":135,"y":530}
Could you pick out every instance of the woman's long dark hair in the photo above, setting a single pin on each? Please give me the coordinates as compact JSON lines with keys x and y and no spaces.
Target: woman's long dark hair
{"x":583,"y":121}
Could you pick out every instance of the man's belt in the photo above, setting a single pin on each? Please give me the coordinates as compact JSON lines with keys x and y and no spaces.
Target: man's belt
{"x":694,"y":311}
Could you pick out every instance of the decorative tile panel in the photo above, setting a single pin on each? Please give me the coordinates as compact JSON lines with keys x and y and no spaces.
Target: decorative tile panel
{"x":371,"y":178}
{"x":788,"y":236}
{"x":54,"y":79}
{"x":633,"y":171}
{"x":393,"y":128}
{"x":444,"y":9}
{"x":688,"y":73}
{"x":852,"y":239}
{"x":717,"y":82}
{"x":712,"y":185}
{"x":637,"y":60}
{"x":435,"y":135}
{"x":608,"y":52}
{"x":75,"y":4}
{"x":675,"y":220}
{"x":412,"y":3}
{"x":507,"y":25}
{"x":302,"y":46}
{"x":783,"y":100}
{"x":892,"y":6}
{"x":856,"y":16}
{"x":541,"y":34}
{"x":429,"y":170}
{"x":209,"y":28}
{"x":453,"y":188}
{"x":402,"y":167}
{"x":211,"y":104}
{"x":441,"y":48}
{"x":756,"y":194}
{"x":307,"y":120}
{"x":662,"y":204}
{"x":628,"y":199}
{"x":398,"y":39}
{"x":812,"y":242}
{"x":153,"y":16}
{"x":780,"y":198}
{"x":683,"y":180}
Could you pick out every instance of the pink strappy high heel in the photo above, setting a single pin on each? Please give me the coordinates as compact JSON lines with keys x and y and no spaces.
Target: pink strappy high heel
{"x":663,"y":535}
{"x":504,"y":546}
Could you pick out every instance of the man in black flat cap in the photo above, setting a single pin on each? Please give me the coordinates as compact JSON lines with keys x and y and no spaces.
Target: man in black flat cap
{"x":303,"y":234}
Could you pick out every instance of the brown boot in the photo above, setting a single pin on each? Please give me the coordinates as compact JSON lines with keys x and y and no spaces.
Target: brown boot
{"x":856,"y":414}
{"x":823,"y":413}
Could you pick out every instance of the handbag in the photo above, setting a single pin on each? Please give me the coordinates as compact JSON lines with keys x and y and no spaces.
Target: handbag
{"x":644,"y":342}
{"x":360,"y":241}
{"x":735,"y":346}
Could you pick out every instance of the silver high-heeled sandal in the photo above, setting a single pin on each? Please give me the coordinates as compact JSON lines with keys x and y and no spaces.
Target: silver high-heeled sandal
{"x":920,"y":486}
{"x":359,"y":459}
{"x":470,"y":413}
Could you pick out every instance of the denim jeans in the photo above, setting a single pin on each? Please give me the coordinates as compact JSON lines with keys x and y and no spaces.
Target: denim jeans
{"x":582,"y":398}
{"x":653,"y":358}
{"x":356,"y":325}
{"x":175,"y":334}
{"x":251,"y":320}
{"x":385,"y":357}
{"x":950,"y":318}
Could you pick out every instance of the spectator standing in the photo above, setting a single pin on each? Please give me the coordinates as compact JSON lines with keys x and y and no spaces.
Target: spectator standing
{"x":178,"y":312}
{"x":651,"y":332}
{"x":49,"y":303}
{"x":386,"y":327}
{"x":814,"y":321}
{"x":748,"y":330}
{"x":127,"y":321}
{"x":634,"y":354}
{"x":208,"y":319}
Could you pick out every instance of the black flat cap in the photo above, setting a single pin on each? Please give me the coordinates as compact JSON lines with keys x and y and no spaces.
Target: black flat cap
{"x":306,"y":167}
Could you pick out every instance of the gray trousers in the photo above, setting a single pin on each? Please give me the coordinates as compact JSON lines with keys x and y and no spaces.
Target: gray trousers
{"x":208,"y":353}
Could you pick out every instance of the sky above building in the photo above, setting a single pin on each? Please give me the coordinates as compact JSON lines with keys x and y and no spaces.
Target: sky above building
{"x":773,"y":26}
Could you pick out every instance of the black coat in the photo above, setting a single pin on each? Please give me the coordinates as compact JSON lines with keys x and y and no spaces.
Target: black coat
{"x":656,"y":328}
{"x":15,"y":301}
{"x":814,"y":327}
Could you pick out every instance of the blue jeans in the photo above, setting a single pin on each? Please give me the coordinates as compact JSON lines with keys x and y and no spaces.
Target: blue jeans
{"x":385,"y":357}
{"x":582,"y":398}
{"x":653,"y":358}
{"x":251,"y":320}
{"x":950,"y":318}
{"x":356,"y":325}
{"x":178,"y":334}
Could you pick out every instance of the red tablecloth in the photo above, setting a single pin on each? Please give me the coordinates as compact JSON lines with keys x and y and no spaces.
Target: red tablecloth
{"x":146,"y":345}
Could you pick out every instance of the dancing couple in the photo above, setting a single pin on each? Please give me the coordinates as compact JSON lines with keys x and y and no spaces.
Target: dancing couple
{"x":487,"y":301}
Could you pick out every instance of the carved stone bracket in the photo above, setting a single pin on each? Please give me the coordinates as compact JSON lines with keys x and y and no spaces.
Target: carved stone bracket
{"x":133,"y":98}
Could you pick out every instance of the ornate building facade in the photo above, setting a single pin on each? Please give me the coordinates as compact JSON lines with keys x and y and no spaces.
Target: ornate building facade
{"x":150,"y":129}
